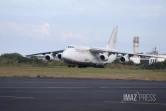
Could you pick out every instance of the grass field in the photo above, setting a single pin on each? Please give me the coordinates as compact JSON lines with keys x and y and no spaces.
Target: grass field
{"x":93,"y":73}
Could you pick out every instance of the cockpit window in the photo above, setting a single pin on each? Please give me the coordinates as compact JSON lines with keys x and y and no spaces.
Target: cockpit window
{"x":70,"y":46}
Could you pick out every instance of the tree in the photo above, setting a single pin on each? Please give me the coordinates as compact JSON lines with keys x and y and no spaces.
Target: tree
{"x":116,"y":61}
{"x":130,"y":63}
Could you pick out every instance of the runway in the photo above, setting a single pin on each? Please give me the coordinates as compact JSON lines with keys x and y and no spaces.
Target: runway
{"x":50,"y":94}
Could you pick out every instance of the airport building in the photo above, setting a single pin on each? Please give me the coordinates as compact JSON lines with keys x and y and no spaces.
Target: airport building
{"x":147,"y":60}
{"x":135,"y":44}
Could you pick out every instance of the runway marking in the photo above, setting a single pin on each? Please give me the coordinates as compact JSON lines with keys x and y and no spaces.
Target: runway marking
{"x":132,"y":87}
{"x":68,"y":87}
{"x":122,"y":102}
{"x":78,"y":82}
{"x":47,"y":87}
{"x":84,"y":87}
{"x":16,"y":97}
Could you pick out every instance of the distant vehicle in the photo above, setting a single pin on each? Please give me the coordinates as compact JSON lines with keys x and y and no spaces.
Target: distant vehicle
{"x":82,"y":56}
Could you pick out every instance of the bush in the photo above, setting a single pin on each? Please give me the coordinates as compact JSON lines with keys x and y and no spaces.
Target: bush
{"x":130,"y":63}
{"x":116,"y":61}
{"x":155,"y":66}
{"x":16,"y":59}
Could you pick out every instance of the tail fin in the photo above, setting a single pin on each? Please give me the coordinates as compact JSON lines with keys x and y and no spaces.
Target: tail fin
{"x":112,"y":41}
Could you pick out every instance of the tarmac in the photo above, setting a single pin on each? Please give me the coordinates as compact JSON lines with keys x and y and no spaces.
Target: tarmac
{"x":51,"y":94}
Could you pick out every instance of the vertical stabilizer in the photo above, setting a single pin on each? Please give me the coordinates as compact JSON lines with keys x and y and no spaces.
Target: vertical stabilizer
{"x":112,"y":41}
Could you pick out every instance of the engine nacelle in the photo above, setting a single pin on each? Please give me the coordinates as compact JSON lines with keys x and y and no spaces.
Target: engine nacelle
{"x":124,"y":59}
{"x":59,"y":56}
{"x":49,"y":57}
{"x":104,"y":57}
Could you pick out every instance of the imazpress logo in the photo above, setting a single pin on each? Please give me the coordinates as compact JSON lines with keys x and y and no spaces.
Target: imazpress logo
{"x":139,"y":97}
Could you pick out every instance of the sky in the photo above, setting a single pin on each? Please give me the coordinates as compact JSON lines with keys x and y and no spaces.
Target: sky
{"x":33,"y":26}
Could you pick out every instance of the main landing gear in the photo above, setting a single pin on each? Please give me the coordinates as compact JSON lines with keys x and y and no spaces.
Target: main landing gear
{"x":82,"y":66}
{"x":71,"y":65}
{"x":99,"y":66}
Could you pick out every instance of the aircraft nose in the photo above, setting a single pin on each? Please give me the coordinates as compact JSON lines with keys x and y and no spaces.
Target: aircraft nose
{"x":65,"y":55}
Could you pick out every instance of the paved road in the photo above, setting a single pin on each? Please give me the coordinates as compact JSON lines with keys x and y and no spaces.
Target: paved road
{"x":39,"y":94}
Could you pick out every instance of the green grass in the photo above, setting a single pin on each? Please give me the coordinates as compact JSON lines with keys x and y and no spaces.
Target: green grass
{"x":93,"y":73}
{"x":96,"y":70}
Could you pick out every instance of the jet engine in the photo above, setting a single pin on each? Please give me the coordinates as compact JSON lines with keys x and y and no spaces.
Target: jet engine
{"x":104,"y":57}
{"x":124,"y":59}
{"x":59,"y":56}
{"x":49,"y":57}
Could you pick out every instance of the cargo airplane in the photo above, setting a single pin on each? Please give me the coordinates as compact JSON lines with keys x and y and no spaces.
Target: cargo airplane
{"x":82,"y":56}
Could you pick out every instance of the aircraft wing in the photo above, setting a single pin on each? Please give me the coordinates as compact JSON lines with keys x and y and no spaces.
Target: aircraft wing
{"x":43,"y":53}
{"x":98,"y":50}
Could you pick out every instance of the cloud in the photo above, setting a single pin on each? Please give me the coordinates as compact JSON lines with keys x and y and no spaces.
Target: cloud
{"x":109,"y":7}
{"x":45,"y":28}
{"x":142,"y":10}
{"x":71,"y":35}
{"x":77,"y":37}
{"x":24,"y":30}
{"x":54,"y":8}
{"x":44,"y":31}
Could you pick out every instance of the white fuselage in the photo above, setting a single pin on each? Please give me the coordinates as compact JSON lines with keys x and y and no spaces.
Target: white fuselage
{"x":80,"y":55}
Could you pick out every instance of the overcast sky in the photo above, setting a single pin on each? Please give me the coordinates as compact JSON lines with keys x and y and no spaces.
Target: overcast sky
{"x":32,"y":26}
